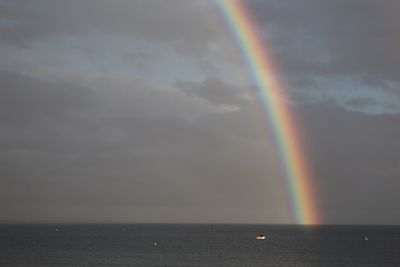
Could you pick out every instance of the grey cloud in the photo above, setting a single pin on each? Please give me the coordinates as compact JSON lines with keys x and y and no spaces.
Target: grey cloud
{"x":137,"y":59}
{"x":215,"y":91}
{"x":183,"y":24}
{"x":363,"y":102}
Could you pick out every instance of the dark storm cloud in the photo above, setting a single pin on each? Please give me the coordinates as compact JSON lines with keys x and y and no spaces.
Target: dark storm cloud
{"x":65,"y":145}
{"x":356,"y":162}
{"x":24,"y":99}
{"x":35,"y":116}
{"x":334,"y":39}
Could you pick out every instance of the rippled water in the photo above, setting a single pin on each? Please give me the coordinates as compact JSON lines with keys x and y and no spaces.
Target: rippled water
{"x":198,"y":245}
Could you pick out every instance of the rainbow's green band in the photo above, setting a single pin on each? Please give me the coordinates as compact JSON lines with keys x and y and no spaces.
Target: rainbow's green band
{"x":280,"y":116}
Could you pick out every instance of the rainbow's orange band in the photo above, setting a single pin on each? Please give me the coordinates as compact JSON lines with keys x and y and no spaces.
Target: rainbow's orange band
{"x":256,"y":55}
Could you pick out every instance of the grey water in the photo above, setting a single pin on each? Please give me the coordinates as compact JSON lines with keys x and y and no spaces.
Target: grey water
{"x":198,"y":245}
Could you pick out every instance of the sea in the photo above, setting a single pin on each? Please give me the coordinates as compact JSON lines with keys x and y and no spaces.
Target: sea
{"x":197,"y":245}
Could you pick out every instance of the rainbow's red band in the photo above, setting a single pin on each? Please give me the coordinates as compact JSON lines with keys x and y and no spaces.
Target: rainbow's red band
{"x":255,"y":53}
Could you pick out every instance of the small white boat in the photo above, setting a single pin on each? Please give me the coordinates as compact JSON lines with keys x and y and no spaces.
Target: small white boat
{"x":260,"y":237}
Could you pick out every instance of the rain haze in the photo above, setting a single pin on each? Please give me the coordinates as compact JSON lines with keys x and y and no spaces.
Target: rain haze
{"x":145,"y":111}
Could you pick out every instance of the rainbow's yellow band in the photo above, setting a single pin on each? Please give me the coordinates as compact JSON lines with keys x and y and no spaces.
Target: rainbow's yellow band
{"x":255,"y":53}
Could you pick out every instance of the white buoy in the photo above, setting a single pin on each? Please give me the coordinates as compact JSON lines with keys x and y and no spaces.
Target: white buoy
{"x":155,"y":243}
{"x":56,"y":230}
{"x":366,"y":238}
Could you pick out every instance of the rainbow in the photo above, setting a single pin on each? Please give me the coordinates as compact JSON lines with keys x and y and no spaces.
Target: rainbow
{"x":257,"y":57}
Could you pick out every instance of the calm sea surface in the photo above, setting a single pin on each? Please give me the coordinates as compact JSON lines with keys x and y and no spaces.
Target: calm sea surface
{"x":198,"y":245}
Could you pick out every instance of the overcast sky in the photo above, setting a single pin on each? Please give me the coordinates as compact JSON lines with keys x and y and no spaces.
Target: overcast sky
{"x":143,"y":111}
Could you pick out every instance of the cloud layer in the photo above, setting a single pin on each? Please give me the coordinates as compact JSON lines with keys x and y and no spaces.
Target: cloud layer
{"x":144,"y":112}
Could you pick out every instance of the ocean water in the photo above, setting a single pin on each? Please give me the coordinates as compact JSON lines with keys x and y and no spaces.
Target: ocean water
{"x":198,"y":245}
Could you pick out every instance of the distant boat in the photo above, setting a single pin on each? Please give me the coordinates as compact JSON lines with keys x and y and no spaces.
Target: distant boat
{"x":260,"y":237}
{"x":366,"y":238}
